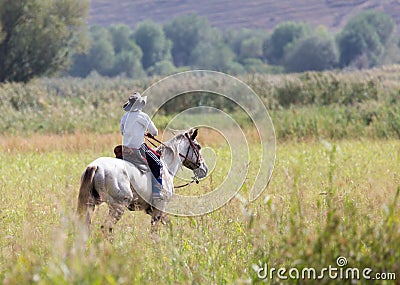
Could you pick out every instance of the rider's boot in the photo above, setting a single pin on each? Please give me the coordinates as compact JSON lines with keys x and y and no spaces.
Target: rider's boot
{"x":156,"y":189}
{"x":158,"y":199}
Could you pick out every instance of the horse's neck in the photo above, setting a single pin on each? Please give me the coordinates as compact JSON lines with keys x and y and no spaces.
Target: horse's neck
{"x":170,"y":156}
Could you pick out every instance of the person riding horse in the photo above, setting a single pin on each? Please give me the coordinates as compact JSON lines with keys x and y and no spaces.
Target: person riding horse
{"x":134,"y":124}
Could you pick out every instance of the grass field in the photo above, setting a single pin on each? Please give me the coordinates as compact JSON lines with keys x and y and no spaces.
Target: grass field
{"x":326,"y":199}
{"x":334,"y":191}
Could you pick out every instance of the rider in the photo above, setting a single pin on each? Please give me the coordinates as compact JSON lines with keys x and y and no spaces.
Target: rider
{"x":134,"y":124}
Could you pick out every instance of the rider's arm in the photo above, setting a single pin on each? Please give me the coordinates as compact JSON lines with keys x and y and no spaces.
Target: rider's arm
{"x":152,"y":128}
{"x":122,"y":124}
{"x":148,"y":124}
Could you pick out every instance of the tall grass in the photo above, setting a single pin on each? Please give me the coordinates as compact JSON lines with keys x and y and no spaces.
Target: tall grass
{"x":372,"y":120}
{"x":334,"y":190}
{"x":324,"y":200}
{"x":325,"y":104}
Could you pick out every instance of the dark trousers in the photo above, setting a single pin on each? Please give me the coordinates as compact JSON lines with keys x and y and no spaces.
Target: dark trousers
{"x":153,"y":161}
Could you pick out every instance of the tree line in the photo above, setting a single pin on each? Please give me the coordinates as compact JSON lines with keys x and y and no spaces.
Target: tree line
{"x":41,"y":37}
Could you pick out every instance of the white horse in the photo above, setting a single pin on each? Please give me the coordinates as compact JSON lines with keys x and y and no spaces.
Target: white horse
{"x":122,"y":185}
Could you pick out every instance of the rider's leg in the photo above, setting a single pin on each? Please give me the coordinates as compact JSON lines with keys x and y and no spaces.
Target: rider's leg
{"x":136,"y":156}
{"x":156,"y":168}
{"x":156,"y":188}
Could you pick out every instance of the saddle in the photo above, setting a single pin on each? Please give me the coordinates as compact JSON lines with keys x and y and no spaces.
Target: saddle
{"x":118,"y":152}
{"x":153,"y":167}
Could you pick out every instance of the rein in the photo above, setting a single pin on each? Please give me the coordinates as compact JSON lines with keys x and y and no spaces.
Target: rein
{"x":194,"y":179}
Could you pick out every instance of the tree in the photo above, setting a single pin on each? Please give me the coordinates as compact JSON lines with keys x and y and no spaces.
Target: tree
{"x":282,"y":38}
{"x":38,"y":37}
{"x":151,"y":39}
{"x":315,"y":52}
{"x":112,"y":52}
{"x":128,"y":55}
{"x":128,"y":62}
{"x":102,"y":56}
{"x":366,"y":37}
{"x":246,"y":43}
{"x":186,"y":32}
{"x":251,"y":48}
{"x":256,"y":65}
{"x":99,"y":57}
{"x":121,"y":37}
{"x":212,"y":55}
{"x":165,"y":67}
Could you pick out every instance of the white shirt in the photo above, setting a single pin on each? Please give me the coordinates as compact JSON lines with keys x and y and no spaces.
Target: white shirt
{"x":133,"y":126}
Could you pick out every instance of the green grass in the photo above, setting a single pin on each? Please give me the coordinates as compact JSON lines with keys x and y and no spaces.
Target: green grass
{"x":332,"y":105}
{"x":325,"y":199}
{"x":334,"y":191}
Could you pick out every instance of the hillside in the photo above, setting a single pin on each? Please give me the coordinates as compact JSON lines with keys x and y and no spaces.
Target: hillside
{"x":262,"y":14}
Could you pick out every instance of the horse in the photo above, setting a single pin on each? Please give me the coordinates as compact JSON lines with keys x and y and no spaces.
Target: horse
{"x":122,"y":185}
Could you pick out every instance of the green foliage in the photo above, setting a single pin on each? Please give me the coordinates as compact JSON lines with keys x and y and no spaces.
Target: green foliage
{"x":190,"y":42}
{"x":150,"y":37}
{"x":186,"y":41}
{"x":186,"y":33}
{"x":256,"y":65}
{"x":64,"y":105}
{"x":101,"y":53}
{"x":364,"y":39}
{"x":316,"y":52}
{"x":2,"y":33}
{"x":127,"y":63}
{"x":251,"y":48}
{"x":337,"y":122}
{"x":121,"y":38}
{"x":246,"y":43}
{"x":307,"y":105}
{"x":211,"y":55}
{"x":112,"y":52}
{"x":165,"y":67}
{"x":38,"y":37}
{"x":281,"y":40}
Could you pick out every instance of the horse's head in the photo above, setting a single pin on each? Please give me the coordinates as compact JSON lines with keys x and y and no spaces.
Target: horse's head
{"x":190,"y":154}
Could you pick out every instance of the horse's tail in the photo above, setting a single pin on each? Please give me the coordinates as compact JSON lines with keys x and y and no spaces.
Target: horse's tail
{"x":85,"y":191}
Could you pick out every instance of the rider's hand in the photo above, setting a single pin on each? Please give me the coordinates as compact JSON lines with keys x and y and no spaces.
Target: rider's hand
{"x":149,"y":135}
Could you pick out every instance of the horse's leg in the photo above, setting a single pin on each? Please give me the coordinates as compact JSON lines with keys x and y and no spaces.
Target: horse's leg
{"x":155,"y":219}
{"x":114,"y":215}
{"x":89,"y":213}
{"x":157,"y":214}
{"x":121,"y":197}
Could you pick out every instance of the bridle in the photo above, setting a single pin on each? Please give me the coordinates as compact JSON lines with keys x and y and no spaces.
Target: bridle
{"x":186,"y":161}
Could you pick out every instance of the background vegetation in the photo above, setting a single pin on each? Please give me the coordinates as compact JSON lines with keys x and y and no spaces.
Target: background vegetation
{"x":49,"y":37}
{"x":37,"y":37}
{"x":324,"y":201}
{"x":367,"y":40}
{"x":336,"y":184}
{"x":305,"y":105}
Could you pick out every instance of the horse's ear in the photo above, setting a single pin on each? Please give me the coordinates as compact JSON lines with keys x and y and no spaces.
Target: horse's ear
{"x":194,"y":134}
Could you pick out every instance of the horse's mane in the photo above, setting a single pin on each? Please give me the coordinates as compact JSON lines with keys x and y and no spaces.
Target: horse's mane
{"x":172,"y":145}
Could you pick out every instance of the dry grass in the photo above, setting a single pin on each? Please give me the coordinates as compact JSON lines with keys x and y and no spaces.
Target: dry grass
{"x":325,"y":200}
{"x":91,"y":141}
{"x":65,"y":142}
